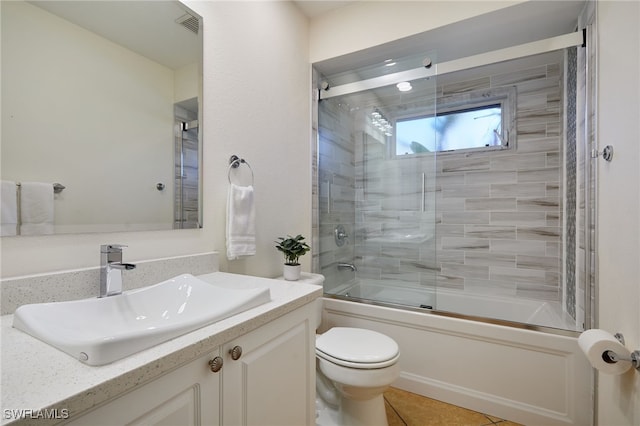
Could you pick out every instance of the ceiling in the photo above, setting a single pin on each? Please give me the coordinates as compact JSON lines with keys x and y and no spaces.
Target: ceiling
{"x":518,"y":24}
{"x":524,"y":22}
{"x":145,"y":27}
{"x":313,"y":8}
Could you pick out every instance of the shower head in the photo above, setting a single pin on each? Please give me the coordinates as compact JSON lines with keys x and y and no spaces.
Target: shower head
{"x":427,"y":62}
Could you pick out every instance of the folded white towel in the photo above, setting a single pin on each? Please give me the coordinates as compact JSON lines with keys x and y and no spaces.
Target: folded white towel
{"x":8,"y":208}
{"x":36,"y":208}
{"x":241,"y":215}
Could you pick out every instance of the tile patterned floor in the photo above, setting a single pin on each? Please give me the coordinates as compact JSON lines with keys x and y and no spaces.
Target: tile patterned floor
{"x":408,"y":409}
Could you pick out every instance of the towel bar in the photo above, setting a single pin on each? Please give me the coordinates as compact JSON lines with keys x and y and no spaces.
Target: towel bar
{"x":57,"y":187}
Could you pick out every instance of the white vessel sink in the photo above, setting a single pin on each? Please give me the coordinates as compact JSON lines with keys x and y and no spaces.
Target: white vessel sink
{"x":102,"y":330}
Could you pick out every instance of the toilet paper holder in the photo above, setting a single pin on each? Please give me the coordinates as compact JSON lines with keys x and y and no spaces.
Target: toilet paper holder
{"x":611,"y":357}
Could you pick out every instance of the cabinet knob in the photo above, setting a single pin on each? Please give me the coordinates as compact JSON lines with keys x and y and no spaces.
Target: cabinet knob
{"x":215,"y":364}
{"x":235,"y":352}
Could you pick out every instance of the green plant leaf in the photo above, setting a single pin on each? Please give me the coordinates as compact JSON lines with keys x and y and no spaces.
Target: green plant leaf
{"x":292,"y":248}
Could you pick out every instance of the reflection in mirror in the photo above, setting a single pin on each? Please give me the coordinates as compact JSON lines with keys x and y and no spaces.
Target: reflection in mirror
{"x":104,"y":98}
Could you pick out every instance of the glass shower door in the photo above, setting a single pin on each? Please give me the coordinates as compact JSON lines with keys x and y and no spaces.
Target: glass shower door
{"x":376,"y":194}
{"x":509,"y":192}
{"x":396,"y":220}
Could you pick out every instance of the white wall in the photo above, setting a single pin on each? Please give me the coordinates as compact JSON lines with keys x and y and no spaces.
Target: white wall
{"x":259,"y":108}
{"x":257,"y":105}
{"x":53,"y":131}
{"x":619,"y":199}
{"x":364,"y":24}
{"x":185,"y":82}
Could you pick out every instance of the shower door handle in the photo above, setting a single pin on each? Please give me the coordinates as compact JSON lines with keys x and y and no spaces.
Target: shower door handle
{"x":422,"y":203}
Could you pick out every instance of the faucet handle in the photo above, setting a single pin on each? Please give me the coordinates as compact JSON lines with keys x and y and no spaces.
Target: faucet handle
{"x":112,"y":248}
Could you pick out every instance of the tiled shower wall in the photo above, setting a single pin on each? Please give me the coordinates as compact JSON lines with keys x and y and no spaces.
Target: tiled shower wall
{"x":186,"y":193}
{"x":395,"y":211}
{"x":336,"y":194}
{"x":498,"y":215}
{"x":571,"y":95}
{"x":586,"y":174}
{"x":581,"y":275}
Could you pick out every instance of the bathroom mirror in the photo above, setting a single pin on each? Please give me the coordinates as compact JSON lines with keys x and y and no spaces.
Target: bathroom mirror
{"x":104,"y":98}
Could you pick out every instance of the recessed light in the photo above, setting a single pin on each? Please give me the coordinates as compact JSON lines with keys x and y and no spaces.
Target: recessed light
{"x":404,"y":86}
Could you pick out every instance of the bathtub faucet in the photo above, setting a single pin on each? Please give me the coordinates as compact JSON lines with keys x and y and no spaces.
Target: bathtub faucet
{"x":347,"y":266}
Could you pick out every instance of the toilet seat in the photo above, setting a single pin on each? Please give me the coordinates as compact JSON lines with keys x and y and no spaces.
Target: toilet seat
{"x":357,"y":348}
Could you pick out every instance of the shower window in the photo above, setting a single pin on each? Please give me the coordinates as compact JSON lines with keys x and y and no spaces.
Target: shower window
{"x":480,"y":120}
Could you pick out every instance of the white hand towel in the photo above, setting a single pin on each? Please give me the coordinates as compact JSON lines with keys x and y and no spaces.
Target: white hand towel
{"x":36,"y":208}
{"x":8,"y":208}
{"x":241,"y":215}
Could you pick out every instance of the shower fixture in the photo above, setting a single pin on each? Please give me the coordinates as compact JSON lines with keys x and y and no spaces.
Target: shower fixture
{"x":350,"y":266}
{"x":340,"y":235}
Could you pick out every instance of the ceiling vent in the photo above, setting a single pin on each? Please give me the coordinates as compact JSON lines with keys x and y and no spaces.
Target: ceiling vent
{"x":190,"y":22}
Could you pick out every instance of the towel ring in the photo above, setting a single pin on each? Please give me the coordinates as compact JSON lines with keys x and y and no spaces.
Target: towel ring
{"x":234,"y":163}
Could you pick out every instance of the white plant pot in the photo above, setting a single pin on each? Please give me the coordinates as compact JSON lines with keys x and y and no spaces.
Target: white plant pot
{"x":292,"y":272}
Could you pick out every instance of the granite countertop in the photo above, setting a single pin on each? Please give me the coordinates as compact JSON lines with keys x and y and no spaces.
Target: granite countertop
{"x":40,"y":378}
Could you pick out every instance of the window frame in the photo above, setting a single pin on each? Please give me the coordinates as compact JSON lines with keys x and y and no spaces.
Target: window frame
{"x":461,"y":102}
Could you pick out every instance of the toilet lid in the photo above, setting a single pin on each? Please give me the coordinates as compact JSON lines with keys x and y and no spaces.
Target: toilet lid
{"x":357,"y":348}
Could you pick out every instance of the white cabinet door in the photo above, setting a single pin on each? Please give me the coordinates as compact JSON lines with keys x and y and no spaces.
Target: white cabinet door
{"x":189,"y":395}
{"x":273,"y":381}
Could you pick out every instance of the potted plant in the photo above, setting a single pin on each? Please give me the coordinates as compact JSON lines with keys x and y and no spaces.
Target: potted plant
{"x":292,"y":248}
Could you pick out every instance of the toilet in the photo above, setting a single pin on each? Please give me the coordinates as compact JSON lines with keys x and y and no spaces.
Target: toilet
{"x":354,"y":366}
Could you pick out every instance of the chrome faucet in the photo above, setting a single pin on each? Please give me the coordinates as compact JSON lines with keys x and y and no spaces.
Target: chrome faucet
{"x":347,"y":266}
{"x":111,"y":268}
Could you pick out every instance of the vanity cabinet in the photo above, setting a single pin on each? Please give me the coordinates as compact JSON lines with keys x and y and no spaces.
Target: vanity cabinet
{"x":267,"y":378}
{"x":273,"y":381}
{"x":188,"y":395}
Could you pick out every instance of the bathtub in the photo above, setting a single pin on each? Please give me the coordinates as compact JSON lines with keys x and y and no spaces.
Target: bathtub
{"x":528,"y":376}
{"x":482,"y":306}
